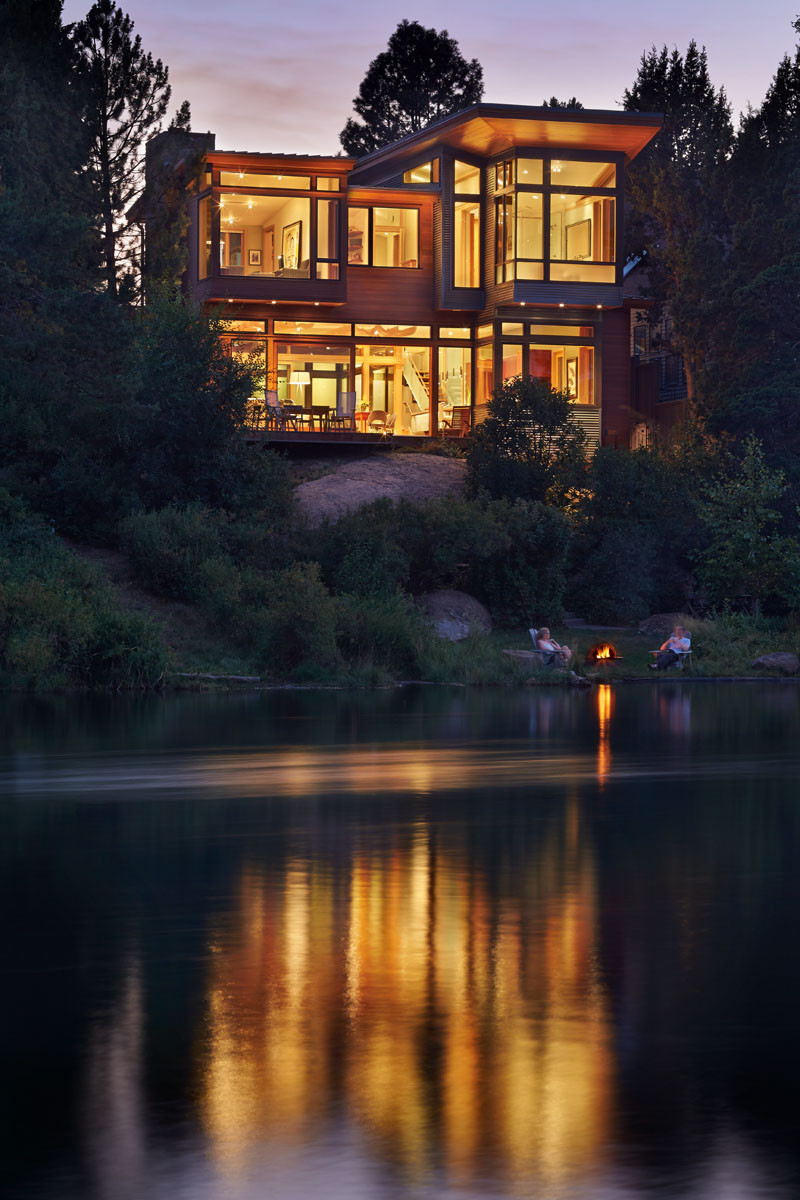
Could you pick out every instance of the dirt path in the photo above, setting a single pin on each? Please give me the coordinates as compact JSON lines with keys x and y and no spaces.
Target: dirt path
{"x":396,"y":476}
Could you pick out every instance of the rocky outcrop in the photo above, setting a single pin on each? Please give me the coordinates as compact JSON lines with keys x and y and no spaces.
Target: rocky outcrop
{"x":782,"y":661}
{"x":662,"y":624}
{"x":454,"y":615}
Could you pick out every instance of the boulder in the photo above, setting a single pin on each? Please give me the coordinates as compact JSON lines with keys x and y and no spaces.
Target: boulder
{"x":662,"y":624}
{"x":454,"y":615}
{"x":782,"y":661}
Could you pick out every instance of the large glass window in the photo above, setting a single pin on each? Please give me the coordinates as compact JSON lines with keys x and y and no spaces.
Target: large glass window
{"x":395,"y":237}
{"x":311,"y":377}
{"x":394,"y":381}
{"x":383,"y":237}
{"x":566,"y":368}
{"x":504,"y":238}
{"x":484,"y":380}
{"x":393,"y":331}
{"x":321,"y":328}
{"x":327,"y":239}
{"x":580,"y":241}
{"x":467,"y":239}
{"x":530,"y":240}
{"x":512,"y":362}
{"x":265,"y":235}
{"x":582,"y":231}
{"x":564,"y":173}
{"x":455,"y":382}
{"x":466,"y":179}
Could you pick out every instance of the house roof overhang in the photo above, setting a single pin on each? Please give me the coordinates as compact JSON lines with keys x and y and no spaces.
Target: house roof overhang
{"x":486,"y":130}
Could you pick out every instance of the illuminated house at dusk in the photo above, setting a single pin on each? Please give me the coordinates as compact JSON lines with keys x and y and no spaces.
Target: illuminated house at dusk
{"x":403,"y":286}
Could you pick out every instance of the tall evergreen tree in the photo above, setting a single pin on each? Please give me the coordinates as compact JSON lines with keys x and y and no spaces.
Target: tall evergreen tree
{"x":422,"y":75}
{"x":127,"y":96}
{"x":676,"y":189}
{"x":755,"y":346}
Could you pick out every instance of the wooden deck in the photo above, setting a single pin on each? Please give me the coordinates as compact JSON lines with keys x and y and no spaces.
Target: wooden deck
{"x":307,"y":437}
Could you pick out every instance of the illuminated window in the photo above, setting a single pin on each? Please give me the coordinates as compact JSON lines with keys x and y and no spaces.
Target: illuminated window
{"x":265,"y":235}
{"x":467,"y":244}
{"x":328,"y":183}
{"x":466,"y":179}
{"x":393,"y":331}
{"x":259,"y":179}
{"x":564,"y":173}
{"x":566,"y":368}
{"x":383,"y":237}
{"x":323,"y":328}
{"x":327,"y":239}
{"x":424,"y":173}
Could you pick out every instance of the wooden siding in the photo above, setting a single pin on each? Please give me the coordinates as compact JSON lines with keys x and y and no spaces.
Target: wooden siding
{"x":615,"y":376}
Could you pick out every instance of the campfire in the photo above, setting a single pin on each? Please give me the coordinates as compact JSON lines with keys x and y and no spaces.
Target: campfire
{"x":602,"y":652}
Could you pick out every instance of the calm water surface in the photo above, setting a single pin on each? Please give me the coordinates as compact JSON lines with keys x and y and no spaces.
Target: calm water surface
{"x":412,"y":943}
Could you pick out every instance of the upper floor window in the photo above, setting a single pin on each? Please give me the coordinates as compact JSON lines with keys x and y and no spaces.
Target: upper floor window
{"x":427,"y":172}
{"x":258,"y":179}
{"x":383,"y":237}
{"x":265,"y":235}
{"x":555,"y":219}
{"x":466,"y":179}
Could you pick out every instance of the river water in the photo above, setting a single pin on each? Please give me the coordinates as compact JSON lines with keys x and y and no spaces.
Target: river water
{"x":407,"y":943}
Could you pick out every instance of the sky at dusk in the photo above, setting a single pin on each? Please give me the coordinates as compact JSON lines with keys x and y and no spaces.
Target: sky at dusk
{"x":281,"y":77}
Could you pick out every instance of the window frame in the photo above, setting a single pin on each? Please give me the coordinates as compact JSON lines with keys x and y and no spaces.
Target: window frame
{"x":370,"y":209}
{"x":506,"y":180}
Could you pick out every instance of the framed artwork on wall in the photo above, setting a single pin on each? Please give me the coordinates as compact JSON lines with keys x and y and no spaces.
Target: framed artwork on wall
{"x":290,"y":245}
{"x":579,"y":240}
{"x":254,"y":258}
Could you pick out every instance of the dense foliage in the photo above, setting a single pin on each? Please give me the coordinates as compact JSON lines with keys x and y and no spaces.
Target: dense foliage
{"x":422,"y":75}
{"x":60,"y":625}
{"x":529,"y":447}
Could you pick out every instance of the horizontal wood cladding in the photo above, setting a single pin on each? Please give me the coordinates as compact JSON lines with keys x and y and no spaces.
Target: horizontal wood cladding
{"x":248,"y":289}
{"x":586,"y":294}
{"x":616,"y":377}
{"x":394,"y":293}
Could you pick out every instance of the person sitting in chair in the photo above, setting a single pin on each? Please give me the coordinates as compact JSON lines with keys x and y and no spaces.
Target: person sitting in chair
{"x":557,"y":653}
{"x":671,"y":651}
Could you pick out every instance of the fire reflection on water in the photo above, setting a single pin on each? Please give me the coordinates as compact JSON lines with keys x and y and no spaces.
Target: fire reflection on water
{"x":605,"y":708}
{"x":443,"y":1018}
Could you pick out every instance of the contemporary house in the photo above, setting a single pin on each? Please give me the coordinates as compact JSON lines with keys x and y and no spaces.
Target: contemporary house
{"x":398,"y":289}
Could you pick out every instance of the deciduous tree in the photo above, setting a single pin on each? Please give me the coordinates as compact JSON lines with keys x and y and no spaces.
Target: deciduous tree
{"x":421,"y":76}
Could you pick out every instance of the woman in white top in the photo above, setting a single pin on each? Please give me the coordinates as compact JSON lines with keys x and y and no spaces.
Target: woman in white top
{"x":561,"y":654}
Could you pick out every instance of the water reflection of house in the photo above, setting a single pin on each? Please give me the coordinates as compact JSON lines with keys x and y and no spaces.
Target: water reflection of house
{"x":427,"y":1003}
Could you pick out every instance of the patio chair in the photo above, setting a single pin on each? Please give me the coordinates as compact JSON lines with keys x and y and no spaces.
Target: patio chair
{"x":459,"y":423}
{"x":376,"y":421}
{"x":546,"y":657}
{"x":344,"y":417}
{"x":684,"y":658}
{"x":276,"y":417}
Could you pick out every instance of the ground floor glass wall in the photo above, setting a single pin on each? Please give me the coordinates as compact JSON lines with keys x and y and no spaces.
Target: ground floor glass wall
{"x":394,"y":381}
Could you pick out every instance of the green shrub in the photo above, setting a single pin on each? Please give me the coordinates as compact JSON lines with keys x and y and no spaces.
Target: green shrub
{"x":386,"y":633}
{"x":168,"y":545}
{"x":60,"y":624}
{"x":529,"y":447}
{"x":295,"y":630}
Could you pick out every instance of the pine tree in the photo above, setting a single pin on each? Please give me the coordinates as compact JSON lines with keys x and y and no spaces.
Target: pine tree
{"x":127,"y":96}
{"x":676,"y":188}
{"x":421,"y":76}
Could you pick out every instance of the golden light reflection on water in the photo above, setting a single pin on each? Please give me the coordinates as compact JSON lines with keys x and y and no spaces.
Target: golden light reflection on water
{"x":605,"y":710}
{"x":444,"y":1018}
